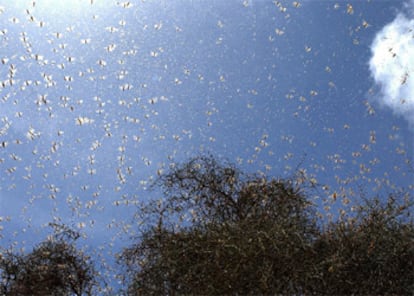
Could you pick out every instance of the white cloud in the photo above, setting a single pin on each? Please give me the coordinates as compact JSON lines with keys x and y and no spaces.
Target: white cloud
{"x":392,"y":64}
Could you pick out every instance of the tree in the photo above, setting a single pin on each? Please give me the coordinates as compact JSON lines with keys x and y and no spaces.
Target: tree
{"x":219,"y":231}
{"x":54,"y":267}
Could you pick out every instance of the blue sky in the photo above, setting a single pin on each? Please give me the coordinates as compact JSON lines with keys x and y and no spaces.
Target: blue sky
{"x":97,"y":99}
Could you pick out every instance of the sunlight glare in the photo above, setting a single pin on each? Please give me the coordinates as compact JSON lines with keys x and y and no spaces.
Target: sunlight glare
{"x":67,"y":8}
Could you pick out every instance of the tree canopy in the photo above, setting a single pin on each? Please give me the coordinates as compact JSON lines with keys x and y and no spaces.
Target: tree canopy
{"x":54,"y":267}
{"x":219,"y":231}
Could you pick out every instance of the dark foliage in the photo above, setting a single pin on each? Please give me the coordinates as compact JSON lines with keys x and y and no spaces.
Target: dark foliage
{"x":221,"y":232}
{"x":370,"y":254}
{"x":54,"y":267}
{"x":217,"y":232}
